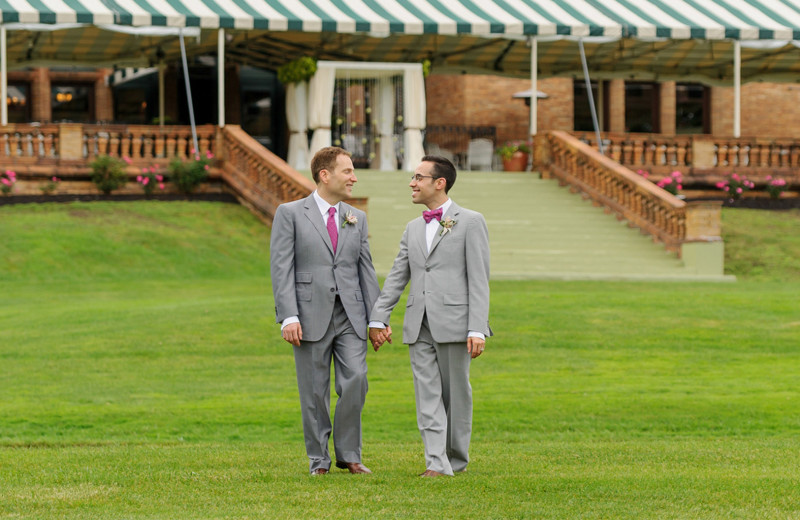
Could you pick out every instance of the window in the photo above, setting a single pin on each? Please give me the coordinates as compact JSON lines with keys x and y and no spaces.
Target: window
{"x":641,"y":107}
{"x":582,"y":113}
{"x":18,"y":103}
{"x":72,"y":102}
{"x":691,"y":108}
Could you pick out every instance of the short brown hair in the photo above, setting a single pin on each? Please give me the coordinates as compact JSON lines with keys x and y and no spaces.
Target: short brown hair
{"x":442,"y":168}
{"x":325,"y":159}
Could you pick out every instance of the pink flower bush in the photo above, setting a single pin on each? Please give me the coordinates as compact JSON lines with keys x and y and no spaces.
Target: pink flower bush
{"x":50,"y":186}
{"x":776,"y":186}
{"x":7,"y":181}
{"x":673,"y":183}
{"x":735,"y":186}
{"x":150,"y":179}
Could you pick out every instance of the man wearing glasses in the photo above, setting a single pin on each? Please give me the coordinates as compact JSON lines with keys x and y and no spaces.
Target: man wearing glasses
{"x":444,"y":255}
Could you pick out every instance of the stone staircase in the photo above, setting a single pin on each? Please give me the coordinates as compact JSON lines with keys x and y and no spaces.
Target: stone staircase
{"x":538,"y":229}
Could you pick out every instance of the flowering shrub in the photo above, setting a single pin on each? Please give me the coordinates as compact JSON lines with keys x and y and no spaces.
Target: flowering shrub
{"x":187,"y":175}
{"x":108,"y":173}
{"x":672,"y":183}
{"x":7,"y":181}
{"x":150,"y":179}
{"x":643,"y":173}
{"x":50,"y":186}
{"x":735,"y":185}
{"x":776,"y":186}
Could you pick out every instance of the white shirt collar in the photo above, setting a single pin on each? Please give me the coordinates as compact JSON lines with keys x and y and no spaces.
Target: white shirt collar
{"x":323,"y":205}
{"x":445,"y":207}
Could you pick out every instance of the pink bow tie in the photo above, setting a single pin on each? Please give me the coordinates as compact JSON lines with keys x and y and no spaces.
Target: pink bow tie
{"x":429,"y":215}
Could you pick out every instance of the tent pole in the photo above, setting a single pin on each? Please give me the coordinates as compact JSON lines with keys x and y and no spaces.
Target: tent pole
{"x":3,"y":77}
{"x":737,"y":88}
{"x":591,"y":96}
{"x":189,"y":96}
{"x":161,"y":94}
{"x":221,"y":76}
{"x":534,"y":86}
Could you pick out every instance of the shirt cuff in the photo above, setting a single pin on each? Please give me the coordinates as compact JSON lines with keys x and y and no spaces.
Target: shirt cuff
{"x":289,"y":321}
{"x":473,"y":334}
{"x":377,"y":325}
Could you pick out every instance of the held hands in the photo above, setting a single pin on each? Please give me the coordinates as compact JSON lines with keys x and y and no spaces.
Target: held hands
{"x":475,"y":346}
{"x":293,"y":333}
{"x":379,"y":336}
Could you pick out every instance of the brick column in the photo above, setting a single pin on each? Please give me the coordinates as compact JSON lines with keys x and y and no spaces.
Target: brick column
{"x":666,"y":107}
{"x":616,"y":105}
{"x":41,"y":110}
{"x":721,"y":110}
{"x":103,"y":98}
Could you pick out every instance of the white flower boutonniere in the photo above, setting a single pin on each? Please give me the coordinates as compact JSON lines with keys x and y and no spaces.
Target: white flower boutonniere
{"x":349,"y":219}
{"x":447,"y":224}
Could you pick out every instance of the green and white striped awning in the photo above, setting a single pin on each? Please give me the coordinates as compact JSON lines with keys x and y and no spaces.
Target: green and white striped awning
{"x":676,"y":19}
{"x":631,"y":38}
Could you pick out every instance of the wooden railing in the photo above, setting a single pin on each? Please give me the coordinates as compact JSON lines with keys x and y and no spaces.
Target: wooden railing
{"x":260,"y":179}
{"x":702,"y":158}
{"x":651,"y":209}
{"x":50,"y":143}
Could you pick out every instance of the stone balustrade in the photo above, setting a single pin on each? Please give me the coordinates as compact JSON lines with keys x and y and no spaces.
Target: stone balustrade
{"x":665,"y":217}
{"x":702,"y":159}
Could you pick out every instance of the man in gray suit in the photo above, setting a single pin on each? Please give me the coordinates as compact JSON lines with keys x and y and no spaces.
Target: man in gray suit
{"x":324,"y":285}
{"x":445,"y":256}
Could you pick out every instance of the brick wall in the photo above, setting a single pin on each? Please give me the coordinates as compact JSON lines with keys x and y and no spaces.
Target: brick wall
{"x":769,"y":109}
{"x":482,"y":100}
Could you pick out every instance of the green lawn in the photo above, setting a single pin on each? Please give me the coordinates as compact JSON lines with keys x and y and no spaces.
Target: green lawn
{"x":142,"y":376}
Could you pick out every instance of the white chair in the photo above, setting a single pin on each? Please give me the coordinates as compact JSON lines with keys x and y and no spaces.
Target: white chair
{"x":479,"y":154}
{"x":435,"y":149}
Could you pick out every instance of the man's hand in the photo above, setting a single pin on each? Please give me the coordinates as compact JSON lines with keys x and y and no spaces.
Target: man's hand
{"x":293,"y":333}
{"x":475,"y":346}
{"x":379,"y":336}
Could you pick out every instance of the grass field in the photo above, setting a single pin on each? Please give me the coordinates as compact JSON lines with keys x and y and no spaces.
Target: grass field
{"x":142,"y":376}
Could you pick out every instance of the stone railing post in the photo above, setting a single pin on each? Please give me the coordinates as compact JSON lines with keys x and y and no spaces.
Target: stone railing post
{"x":70,"y":141}
{"x":702,"y":250}
{"x":703,"y":152}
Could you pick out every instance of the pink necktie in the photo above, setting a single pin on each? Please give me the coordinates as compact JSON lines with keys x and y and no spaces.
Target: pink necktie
{"x":429,"y":215}
{"x":332,"y":231}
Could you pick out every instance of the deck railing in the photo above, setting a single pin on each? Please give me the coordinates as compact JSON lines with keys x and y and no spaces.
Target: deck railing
{"x":667,"y":218}
{"x":702,"y":159}
{"x":260,"y":178}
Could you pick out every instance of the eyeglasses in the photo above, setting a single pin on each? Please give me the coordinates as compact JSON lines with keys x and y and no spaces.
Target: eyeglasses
{"x":419,"y":177}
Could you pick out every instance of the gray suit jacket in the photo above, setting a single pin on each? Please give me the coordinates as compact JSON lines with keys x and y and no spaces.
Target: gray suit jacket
{"x":306,"y":273}
{"x":450,"y":284}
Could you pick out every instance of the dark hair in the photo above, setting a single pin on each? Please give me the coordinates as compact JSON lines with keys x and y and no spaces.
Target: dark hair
{"x":442,"y":168}
{"x":325,"y":159}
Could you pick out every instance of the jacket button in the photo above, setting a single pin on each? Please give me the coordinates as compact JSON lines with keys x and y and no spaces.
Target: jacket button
{"x":428,"y":269}
{"x":332,"y":289}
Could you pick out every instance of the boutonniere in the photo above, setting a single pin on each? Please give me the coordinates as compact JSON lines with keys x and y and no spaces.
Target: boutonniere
{"x":349,"y":219}
{"x":447,"y":224}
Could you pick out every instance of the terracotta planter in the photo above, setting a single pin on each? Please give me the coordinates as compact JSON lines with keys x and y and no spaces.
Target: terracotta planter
{"x":517,"y":163}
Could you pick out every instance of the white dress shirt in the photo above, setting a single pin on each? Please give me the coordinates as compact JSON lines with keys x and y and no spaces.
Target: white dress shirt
{"x":324,"y":207}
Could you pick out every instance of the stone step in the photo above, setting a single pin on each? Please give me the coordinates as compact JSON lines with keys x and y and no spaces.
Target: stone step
{"x":537,"y":229}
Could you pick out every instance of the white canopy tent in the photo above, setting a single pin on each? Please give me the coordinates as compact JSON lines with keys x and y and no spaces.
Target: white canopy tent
{"x":319,"y":104}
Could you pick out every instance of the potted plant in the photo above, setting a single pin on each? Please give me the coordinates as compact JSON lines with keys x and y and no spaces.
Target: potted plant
{"x":514,"y":155}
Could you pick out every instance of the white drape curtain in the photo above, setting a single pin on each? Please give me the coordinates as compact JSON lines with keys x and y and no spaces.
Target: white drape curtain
{"x":320,"y":104}
{"x":414,"y":122}
{"x":385,"y":118}
{"x":297,"y":119}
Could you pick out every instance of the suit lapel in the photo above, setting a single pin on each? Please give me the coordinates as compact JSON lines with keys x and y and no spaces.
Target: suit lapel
{"x":312,"y":213}
{"x":345,"y":230}
{"x":418,"y":235}
{"x":452,"y":212}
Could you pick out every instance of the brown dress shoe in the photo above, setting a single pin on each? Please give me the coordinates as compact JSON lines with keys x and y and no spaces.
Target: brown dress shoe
{"x":319,"y":471}
{"x":353,"y":467}
{"x":431,"y":473}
